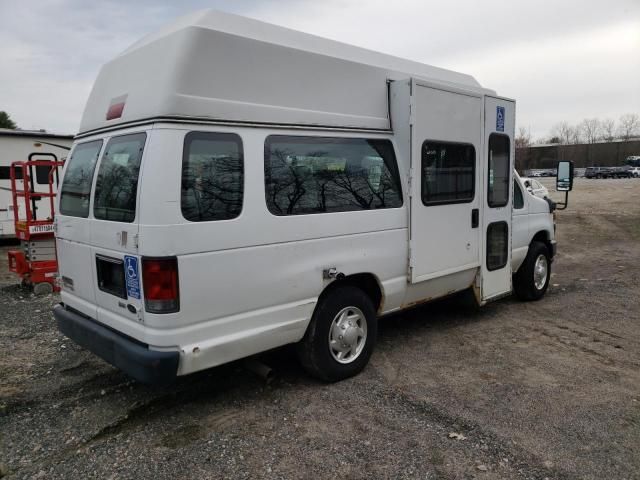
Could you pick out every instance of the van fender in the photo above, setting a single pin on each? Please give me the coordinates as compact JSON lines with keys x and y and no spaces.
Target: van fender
{"x":544,"y":236}
{"x":368,"y":282}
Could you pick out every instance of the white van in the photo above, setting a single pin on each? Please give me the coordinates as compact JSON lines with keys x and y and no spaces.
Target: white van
{"x":238,"y":186}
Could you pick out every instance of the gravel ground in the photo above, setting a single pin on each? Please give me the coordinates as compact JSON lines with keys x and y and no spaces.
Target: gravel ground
{"x":539,"y":390}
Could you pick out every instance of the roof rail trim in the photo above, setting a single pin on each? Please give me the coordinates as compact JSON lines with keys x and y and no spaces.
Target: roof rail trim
{"x":211,"y":121}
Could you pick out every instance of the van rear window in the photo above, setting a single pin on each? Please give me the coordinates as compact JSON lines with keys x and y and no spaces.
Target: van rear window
{"x":76,"y":187}
{"x":117,"y":183}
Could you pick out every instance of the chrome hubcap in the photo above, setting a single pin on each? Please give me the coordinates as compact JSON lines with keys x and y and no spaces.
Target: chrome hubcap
{"x":540,"y":270}
{"x":347,"y":334}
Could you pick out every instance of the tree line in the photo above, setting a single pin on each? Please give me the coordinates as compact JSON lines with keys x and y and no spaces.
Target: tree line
{"x":6,"y":122}
{"x":589,"y":130}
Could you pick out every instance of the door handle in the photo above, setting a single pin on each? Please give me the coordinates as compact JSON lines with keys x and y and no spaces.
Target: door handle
{"x":475,"y":218}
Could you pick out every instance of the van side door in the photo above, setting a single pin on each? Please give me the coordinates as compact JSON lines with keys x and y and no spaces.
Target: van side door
{"x":446,"y":133}
{"x":498,"y":157}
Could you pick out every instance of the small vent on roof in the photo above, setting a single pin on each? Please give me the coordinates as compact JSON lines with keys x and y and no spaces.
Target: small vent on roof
{"x":116,"y":107}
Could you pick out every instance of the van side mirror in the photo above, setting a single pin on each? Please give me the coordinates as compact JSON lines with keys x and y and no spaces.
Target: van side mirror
{"x":564,"y":182}
{"x":564,"y":177}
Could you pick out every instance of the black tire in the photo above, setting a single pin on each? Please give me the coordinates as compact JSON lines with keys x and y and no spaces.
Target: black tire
{"x":524,"y":284}
{"x":314,"y":351}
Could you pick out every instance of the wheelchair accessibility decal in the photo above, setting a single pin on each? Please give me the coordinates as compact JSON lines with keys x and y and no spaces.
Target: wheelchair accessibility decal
{"x":500,"y":119}
{"x":132,"y":277}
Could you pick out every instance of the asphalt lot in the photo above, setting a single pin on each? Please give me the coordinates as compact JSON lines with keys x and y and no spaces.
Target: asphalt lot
{"x":530,"y":390}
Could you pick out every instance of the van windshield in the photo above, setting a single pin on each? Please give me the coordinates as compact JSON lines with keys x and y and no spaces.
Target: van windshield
{"x":117,"y":183}
{"x":76,"y":187}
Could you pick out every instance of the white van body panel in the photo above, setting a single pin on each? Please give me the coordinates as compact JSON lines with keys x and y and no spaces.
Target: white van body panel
{"x":530,"y":220}
{"x":251,"y":282}
{"x":521,"y":239}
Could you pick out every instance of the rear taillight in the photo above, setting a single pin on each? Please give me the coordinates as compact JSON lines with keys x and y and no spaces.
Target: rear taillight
{"x":160,"y":277}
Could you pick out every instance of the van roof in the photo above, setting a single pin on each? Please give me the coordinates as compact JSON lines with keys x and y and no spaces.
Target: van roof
{"x":225,"y":67}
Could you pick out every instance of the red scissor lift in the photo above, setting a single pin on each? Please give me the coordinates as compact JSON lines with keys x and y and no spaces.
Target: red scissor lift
{"x":36,"y":263}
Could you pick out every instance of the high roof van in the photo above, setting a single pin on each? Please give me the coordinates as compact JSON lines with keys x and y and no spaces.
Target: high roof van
{"x":238,"y":186}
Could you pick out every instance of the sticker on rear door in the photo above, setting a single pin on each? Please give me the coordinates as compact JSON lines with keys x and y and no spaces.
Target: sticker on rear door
{"x":132,"y":277}
{"x":500,"y":119}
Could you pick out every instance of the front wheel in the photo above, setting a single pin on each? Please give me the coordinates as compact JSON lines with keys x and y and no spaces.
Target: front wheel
{"x":532,"y":278}
{"x":341,"y":335}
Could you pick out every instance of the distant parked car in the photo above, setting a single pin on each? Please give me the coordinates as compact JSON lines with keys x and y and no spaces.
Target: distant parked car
{"x":597,"y":172}
{"x":621,"y":172}
{"x":635,"y":172}
{"x":535,"y":187}
{"x":548,"y":172}
{"x":633,"y":160}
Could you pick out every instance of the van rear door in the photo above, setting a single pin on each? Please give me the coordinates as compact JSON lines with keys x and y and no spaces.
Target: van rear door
{"x":73,"y":227}
{"x":114,"y":229}
{"x":97,"y":229}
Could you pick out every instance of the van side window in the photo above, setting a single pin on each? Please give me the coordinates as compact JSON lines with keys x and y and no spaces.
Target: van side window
{"x":117,"y":183}
{"x":497,"y":245}
{"x":499,"y":169}
{"x":212,"y":176}
{"x":78,"y":177}
{"x":518,"y":199}
{"x":448,"y":173}
{"x":306,"y":175}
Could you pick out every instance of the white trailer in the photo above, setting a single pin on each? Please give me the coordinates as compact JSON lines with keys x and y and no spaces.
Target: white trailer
{"x":17,"y":145}
{"x":238,"y":186}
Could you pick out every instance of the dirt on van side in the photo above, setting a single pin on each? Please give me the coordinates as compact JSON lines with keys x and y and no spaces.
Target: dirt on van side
{"x":549,"y":389}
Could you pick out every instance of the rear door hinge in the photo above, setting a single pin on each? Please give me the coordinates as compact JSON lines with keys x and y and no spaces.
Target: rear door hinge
{"x":410,"y":182}
{"x":412,"y":111}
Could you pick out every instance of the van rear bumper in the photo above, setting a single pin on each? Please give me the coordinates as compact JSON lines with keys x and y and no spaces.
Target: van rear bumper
{"x":132,"y":357}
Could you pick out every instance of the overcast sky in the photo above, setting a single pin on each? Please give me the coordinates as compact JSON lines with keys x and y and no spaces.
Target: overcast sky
{"x":560,"y":59}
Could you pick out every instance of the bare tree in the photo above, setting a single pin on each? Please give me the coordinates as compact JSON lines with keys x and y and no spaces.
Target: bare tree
{"x":608,"y":127}
{"x":563,"y":131}
{"x":590,"y":128}
{"x":576,"y":135}
{"x":523,"y":138}
{"x":629,"y":126}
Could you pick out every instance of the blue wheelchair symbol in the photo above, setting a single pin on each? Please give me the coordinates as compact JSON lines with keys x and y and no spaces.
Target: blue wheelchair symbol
{"x":132,"y":268}
{"x":133,"y":283}
{"x":500,"y":119}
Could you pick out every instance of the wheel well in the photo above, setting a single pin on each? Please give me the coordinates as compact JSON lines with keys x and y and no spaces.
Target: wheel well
{"x":543,"y":237}
{"x":367,"y":282}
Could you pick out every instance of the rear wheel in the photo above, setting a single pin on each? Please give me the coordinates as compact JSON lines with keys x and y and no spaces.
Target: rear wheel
{"x":341,"y":335}
{"x":532,"y":278}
